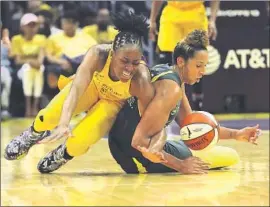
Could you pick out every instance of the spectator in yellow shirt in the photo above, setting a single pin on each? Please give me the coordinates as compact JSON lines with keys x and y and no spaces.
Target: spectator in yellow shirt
{"x":66,"y":49}
{"x":28,"y":51}
{"x":102,"y":32}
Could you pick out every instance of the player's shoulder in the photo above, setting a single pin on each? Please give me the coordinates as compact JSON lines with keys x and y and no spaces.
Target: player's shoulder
{"x":160,"y":68}
{"x":142,"y":72}
{"x":168,"y":79}
{"x":100,"y":52}
{"x":161,"y":71}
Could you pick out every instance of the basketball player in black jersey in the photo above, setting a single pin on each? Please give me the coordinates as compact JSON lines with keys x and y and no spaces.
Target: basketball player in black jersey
{"x":138,"y":141}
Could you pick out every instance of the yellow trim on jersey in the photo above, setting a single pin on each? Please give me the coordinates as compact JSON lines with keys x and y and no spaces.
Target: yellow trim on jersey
{"x":140,"y":167}
{"x":159,"y":75}
{"x":153,"y":80}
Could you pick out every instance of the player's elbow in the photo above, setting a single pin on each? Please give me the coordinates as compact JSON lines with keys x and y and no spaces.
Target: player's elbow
{"x":138,"y":142}
{"x":135,"y":143}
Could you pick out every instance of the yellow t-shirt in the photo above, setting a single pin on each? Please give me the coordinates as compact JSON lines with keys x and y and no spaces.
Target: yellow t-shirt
{"x":192,"y":12}
{"x":101,"y":36}
{"x":183,"y":5}
{"x":59,"y":44}
{"x":27,"y":48}
{"x":111,"y":90}
{"x":178,"y":19}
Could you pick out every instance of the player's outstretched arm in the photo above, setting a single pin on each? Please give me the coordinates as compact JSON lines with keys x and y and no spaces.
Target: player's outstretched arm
{"x":80,"y":83}
{"x":191,"y":165}
{"x":247,"y":134}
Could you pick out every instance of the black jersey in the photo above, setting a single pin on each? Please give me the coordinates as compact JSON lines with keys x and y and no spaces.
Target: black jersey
{"x":160,"y":72}
{"x":129,"y":117}
{"x":122,"y":131}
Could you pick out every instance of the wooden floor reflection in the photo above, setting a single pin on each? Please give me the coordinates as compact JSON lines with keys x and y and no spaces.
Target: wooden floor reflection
{"x":95,"y":179}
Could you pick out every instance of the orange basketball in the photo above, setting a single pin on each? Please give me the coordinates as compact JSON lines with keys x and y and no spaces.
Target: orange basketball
{"x":200,"y":130}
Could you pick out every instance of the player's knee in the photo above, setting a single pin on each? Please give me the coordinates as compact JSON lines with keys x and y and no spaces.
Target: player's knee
{"x":45,"y":121}
{"x":76,"y":148}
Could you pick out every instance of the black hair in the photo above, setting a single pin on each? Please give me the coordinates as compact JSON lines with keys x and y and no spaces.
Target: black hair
{"x":131,"y":29}
{"x":45,"y":13}
{"x":195,"y":41}
{"x":70,"y":14}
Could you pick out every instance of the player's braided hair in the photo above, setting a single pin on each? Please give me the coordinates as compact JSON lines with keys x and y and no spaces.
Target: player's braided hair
{"x":131,"y":29}
{"x":196,"y":40}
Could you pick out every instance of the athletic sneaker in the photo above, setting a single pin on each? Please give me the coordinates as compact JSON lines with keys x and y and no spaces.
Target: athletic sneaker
{"x":20,"y":145}
{"x":53,"y":160}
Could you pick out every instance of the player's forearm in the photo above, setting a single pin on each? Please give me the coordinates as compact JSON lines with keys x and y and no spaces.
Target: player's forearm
{"x":214,"y":6}
{"x":143,"y":135}
{"x":69,"y":106}
{"x":76,"y":91}
{"x":185,"y":109}
{"x":158,"y":141}
{"x":142,"y":139}
{"x":139,"y":139}
{"x":227,"y":133}
{"x":156,"y":6}
{"x":172,"y":162}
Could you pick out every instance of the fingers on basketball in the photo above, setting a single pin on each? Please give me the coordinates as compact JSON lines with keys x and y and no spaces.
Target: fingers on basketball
{"x":200,"y":130}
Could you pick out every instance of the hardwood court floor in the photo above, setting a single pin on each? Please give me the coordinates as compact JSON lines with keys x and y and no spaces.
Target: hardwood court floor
{"x":95,"y":179}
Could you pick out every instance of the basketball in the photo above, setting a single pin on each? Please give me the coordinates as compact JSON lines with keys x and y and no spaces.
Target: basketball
{"x":200,"y":130}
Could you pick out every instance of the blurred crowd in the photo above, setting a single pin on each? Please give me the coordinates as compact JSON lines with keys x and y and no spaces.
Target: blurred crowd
{"x":48,"y":39}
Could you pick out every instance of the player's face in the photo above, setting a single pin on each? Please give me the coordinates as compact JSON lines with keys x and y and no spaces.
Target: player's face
{"x":125,"y":61}
{"x":195,"y":67}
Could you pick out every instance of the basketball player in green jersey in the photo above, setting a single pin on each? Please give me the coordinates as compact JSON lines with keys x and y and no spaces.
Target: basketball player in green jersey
{"x":138,"y":143}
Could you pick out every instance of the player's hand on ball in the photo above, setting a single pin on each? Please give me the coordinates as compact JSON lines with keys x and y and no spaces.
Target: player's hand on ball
{"x":61,"y":131}
{"x":194,"y":165}
{"x":249,"y":134}
{"x":153,"y":156}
